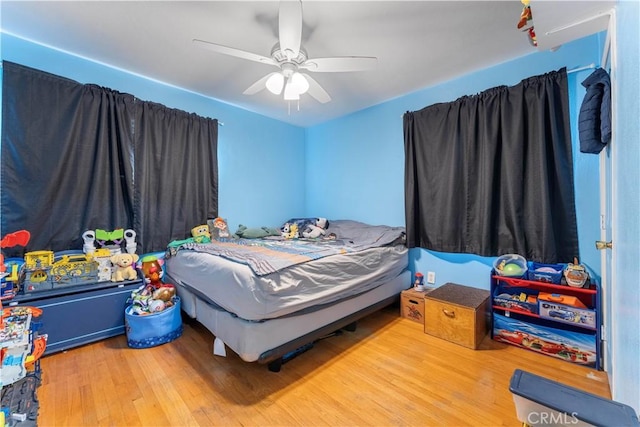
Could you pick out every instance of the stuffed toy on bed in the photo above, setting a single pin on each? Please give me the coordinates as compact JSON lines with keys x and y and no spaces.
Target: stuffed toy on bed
{"x":289,"y":230}
{"x":308,"y":228}
{"x":316,"y":229}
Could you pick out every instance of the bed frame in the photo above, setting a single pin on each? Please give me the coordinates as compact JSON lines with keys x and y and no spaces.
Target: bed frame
{"x":276,"y":341}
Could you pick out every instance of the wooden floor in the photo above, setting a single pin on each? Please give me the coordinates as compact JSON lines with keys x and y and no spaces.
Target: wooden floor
{"x":386,"y":373}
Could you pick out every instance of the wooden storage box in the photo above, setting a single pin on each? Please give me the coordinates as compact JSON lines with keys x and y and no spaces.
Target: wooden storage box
{"x":458,"y":314}
{"x":412,"y":305}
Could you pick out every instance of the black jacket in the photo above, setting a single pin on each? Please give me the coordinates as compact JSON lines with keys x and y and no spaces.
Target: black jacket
{"x":594,"y":120}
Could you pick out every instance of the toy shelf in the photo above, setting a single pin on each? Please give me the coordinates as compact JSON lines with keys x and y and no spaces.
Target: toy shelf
{"x":537,"y":316}
{"x":565,"y":323}
{"x":564,"y":288}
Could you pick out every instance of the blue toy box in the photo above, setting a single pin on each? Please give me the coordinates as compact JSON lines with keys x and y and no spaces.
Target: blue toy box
{"x":547,"y":273}
{"x":144,"y":331}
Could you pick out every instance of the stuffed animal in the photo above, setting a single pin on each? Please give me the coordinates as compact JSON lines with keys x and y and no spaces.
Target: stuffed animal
{"x":313,"y":231}
{"x":218,"y":228}
{"x":201,"y":234}
{"x":289,"y":231}
{"x":123,"y":267}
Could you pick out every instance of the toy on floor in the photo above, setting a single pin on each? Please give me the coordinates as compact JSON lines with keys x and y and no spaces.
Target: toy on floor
{"x":154,"y":296}
{"x":19,"y":347}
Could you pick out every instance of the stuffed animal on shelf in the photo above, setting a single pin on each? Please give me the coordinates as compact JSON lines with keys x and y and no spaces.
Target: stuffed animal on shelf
{"x":124,"y":267}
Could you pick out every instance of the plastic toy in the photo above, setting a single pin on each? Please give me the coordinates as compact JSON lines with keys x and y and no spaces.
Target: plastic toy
{"x":123,"y":267}
{"x":102,"y":256}
{"x":111,"y":240}
{"x":152,"y":271}
{"x":525,"y":16}
{"x":510,"y":265}
{"x":19,"y":347}
{"x":42,"y":270}
{"x":19,"y":238}
{"x":575,"y":274}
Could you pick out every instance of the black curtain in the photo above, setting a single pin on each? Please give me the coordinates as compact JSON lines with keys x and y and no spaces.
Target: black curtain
{"x":492,"y":173}
{"x":175,"y":174}
{"x":78,"y":157}
{"x":66,"y":158}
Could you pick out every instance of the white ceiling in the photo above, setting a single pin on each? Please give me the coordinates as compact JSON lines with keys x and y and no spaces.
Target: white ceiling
{"x":418,"y":44}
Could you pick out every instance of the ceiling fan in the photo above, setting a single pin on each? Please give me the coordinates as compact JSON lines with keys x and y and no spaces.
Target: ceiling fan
{"x":292,"y":60}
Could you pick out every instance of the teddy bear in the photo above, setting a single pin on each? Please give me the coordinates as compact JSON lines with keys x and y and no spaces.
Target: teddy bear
{"x":124,"y":267}
{"x":316,"y":229}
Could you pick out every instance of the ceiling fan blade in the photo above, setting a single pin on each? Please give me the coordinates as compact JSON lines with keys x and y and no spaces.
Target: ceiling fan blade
{"x":340,"y":64}
{"x":316,"y":91}
{"x":259,"y":85}
{"x":290,"y":27}
{"x":234,"y":52}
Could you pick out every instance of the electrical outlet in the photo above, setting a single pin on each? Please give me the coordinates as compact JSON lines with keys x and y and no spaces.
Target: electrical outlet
{"x":431,"y":277}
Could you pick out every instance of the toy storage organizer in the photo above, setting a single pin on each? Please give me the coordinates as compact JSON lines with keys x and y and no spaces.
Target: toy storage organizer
{"x":144,"y":331}
{"x":552,"y":319}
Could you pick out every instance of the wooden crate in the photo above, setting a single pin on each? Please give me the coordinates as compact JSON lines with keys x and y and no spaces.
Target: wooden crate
{"x":412,"y":305}
{"x":457,"y":313}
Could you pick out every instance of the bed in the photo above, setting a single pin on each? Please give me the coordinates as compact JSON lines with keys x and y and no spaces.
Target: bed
{"x":270,"y":299}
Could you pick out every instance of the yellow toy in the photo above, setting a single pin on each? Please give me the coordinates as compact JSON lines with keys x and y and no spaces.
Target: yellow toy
{"x":201,"y":234}
{"x":290,"y":230}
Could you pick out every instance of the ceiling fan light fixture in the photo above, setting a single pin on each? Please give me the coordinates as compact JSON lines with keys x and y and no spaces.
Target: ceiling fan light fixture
{"x":275,"y":83}
{"x":291,"y":91}
{"x":300,"y":84}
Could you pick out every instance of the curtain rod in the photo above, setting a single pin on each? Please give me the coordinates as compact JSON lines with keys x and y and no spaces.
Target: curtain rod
{"x":586,"y":67}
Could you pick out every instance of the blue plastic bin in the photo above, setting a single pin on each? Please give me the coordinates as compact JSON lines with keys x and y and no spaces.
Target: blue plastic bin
{"x":550,"y":273}
{"x":541,"y":401}
{"x":153,"y":329}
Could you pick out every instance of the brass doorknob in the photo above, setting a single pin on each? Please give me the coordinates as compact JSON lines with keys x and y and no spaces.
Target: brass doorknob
{"x":603,"y":245}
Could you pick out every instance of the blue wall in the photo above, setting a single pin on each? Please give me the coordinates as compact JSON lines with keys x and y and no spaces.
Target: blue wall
{"x":250,"y":193}
{"x":626,"y":239}
{"x":355,"y":164}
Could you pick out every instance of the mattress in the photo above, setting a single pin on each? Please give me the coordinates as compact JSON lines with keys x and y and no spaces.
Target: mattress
{"x":252,"y":340}
{"x":235,"y":288}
